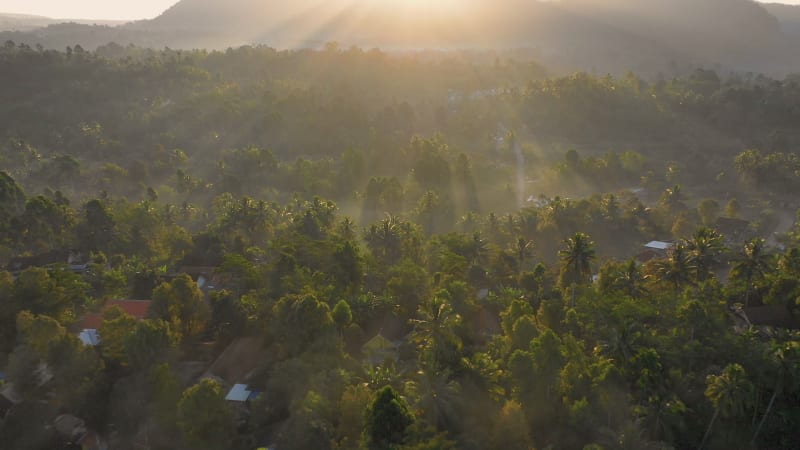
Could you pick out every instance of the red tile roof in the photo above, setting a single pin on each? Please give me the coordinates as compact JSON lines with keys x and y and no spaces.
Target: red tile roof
{"x":136,"y":308}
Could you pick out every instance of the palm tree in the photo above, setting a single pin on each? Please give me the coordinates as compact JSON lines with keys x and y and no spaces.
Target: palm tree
{"x":476,"y":250}
{"x":673,"y":198}
{"x":752,"y":265}
{"x":705,"y":249}
{"x":384,"y":239}
{"x":576,"y":261}
{"x":524,"y":249}
{"x":786,"y":363}
{"x":630,"y":280}
{"x":438,"y":396}
{"x":434,"y":331}
{"x":730,"y":393}
{"x":676,"y":269}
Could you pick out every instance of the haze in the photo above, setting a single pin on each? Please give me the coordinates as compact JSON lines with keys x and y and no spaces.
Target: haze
{"x":107,"y":10}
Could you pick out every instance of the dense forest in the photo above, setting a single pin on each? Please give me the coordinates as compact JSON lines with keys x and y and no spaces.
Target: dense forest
{"x":353,"y":249}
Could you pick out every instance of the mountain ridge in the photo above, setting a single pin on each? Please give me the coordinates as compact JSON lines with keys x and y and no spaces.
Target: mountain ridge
{"x":611,"y":35}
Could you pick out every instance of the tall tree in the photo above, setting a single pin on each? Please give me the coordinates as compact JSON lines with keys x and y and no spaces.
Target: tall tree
{"x":751,"y":265}
{"x":388,"y":419}
{"x":204,"y":417}
{"x":181,"y":304}
{"x":705,"y":248}
{"x":785,"y":359}
{"x":730,"y":393}
{"x":676,"y":269}
{"x":576,"y":261}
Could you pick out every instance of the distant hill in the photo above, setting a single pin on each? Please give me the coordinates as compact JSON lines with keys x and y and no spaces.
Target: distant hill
{"x":25,"y":22}
{"x":788,"y":16}
{"x":648,"y":36}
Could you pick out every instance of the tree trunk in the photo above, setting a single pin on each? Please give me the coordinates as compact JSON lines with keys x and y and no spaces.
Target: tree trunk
{"x":708,"y":431}
{"x":764,"y":418}
{"x":573,"y":295}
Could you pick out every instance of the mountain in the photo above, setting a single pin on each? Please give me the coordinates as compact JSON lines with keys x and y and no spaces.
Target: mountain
{"x":649,"y":36}
{"x":788,"y":16}
{"x":730,"y":32}
{"x":25,"y":22}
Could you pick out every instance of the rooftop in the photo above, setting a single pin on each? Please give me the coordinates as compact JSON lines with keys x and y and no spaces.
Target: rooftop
{"x":241,"y":393}
{"x":90,"y":338}
{"x":659,"y":245}
{"x":136,"y":308}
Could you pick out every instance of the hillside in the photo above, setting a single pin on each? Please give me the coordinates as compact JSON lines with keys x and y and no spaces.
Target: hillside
{"x":788,"y":16}
{"x":26,"y":22}
{"x":651,"y":37}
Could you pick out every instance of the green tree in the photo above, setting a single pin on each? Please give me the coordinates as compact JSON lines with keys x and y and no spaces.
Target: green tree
{"x":676,"y":269}
{"x":148,"y":343}
{"x":388,"y":419}
{"x":300,"y":322}
{"x":115,"y":330}
{"x":705,"y":249}
{"x":204,"y":418}
{"x":576,"y":262}
{"x":751,"y":265}
{"x":730,"y":393}
{"x":511,"y":428}
{"x":434,"y":332}
{"x":785,"y":371}
{"x":181,"y":304}
{"x":708,"y":210}
{"x":342,"y":315}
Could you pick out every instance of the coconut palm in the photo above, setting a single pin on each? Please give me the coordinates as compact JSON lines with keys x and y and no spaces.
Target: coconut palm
{"x":524,"y":250}
{"x":676,"y":269}
{"x":434,"y":331}
{"x":731,"y":394}
{"x":752,"y":265}
{"x":673,"y":198}
{"x":576,"y":261}
{"x":630,"y":280}
{"x":705,"y":248}
{"x":786,"y":372}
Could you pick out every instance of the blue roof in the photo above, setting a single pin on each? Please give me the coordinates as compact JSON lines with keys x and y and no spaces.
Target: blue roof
{"x":2,"y":375}
{"x":90,"y":338}
{"x":238,"y":393}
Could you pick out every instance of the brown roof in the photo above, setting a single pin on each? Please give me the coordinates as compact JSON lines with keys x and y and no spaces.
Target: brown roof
{"x":777,"y":316}
{"x":238,"y":360}
{"x":136,"y":308}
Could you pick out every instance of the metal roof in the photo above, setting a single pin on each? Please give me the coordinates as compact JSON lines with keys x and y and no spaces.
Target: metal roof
{"x":659,"y":245}
{"x":239,"y":393}
{"x":90,"y":337}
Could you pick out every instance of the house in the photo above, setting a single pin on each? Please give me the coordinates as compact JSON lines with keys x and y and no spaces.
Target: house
{"x":773,"y":316}
{"x":654,"y":250}
{"x":138,"y":309}
{"x":90,"y":338}
{"x":74,"y":430}
{"x":238,"y":361}
{"x":379,"y":349}
{"x":91,"y":322}
{"x":241,"y":393}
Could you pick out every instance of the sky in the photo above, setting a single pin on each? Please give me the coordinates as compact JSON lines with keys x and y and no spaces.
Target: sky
{"x":88,"y":9}
{"x":107,"y":9}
